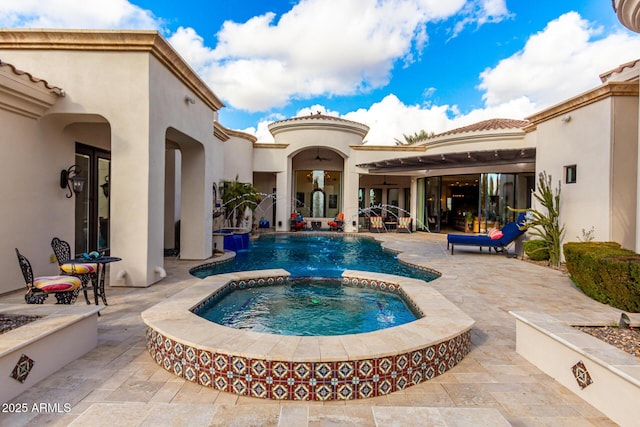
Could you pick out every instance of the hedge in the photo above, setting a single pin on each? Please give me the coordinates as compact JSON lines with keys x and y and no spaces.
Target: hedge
{"x":606,"y":272}
{"x":536,"y":249}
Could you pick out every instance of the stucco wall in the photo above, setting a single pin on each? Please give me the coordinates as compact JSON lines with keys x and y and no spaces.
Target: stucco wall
{"x":238,"y":159}
{"x":140,"y":100}
{"x":34,"y":207}
{"x":584,"y":141}
{"x":624,"y":169}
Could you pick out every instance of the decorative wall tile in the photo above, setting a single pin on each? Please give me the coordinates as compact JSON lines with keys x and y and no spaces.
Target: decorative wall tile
{"x":581,"y":374}
{"x":22,"y":369}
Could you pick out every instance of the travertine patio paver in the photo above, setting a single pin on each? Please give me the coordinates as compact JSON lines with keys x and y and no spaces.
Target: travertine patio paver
{"x":119,"y":384}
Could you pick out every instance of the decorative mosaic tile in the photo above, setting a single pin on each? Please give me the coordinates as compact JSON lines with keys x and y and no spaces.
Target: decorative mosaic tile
{"x":259,"y":389}
{"x":258,"y":368}
{"x":204,"y":378}
{"x":365,"y":368}
{"x":323,"y":392}
{"x":302,"y":370}
{"x":239,"y":365}
{"x":191,"y":373}
{"x":346,"y":380}
{"x":205,"y":358}
{"x":22,"y":369}
{"x":581,"y":374}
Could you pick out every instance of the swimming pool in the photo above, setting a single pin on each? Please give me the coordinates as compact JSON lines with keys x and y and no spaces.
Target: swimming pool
{"x":312,"y":255}
{"x":308,"y":307}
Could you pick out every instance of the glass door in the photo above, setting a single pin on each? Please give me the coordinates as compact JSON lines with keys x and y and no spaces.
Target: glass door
{"x":82,"y":201}
{"x":92,"y":205}
{"x":432,"y":204}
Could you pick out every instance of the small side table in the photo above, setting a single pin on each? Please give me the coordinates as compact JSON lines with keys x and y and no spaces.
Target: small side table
{"x":98,"y":280}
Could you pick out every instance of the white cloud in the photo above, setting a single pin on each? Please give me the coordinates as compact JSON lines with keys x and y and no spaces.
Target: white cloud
{"x":75,"y":14}
{"x":480,"y":13}
{"x":559,"y":62}
{"x":320,"y":48}
{"x":562,"y":61}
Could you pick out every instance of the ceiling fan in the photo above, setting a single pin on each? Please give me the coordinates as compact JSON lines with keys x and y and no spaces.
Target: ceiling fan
{"x":387,"y":184}
{"x":320,"y":159}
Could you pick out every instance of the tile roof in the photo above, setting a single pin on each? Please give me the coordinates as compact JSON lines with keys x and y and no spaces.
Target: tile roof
{"x":58,"y":91}
{"x":491,"y":124}
{"x":620,"y":68}
{"x":318,"y":116}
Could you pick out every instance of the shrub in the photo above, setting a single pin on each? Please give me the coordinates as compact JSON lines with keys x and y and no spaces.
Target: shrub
{"x":536,"y":250}
{"x":605,"y":272}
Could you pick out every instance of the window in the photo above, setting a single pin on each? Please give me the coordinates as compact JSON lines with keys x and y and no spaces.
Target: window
{"x":570,"y":174}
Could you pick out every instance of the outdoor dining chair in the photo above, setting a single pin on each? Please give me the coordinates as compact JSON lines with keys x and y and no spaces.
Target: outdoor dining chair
{"x":86,"y":272}
{"x":65,"y":288}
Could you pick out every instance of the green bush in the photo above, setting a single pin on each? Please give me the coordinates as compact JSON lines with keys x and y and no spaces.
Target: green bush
{"x":606,"y":272}
{"x":536,"y":249}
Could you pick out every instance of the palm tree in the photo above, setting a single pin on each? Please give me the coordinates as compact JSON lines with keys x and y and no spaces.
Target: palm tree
{"x":423,"y":135}
{"x":237,"y":197}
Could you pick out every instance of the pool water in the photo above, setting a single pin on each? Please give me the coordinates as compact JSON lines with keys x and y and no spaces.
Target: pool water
{"x":309,"y":307}
{"x":314,"y":256}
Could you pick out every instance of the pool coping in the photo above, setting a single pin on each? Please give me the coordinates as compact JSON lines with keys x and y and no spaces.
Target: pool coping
{"x":222,"y":357}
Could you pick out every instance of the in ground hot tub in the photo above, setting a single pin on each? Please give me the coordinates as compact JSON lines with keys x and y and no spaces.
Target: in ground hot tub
{"x":342,"y":367}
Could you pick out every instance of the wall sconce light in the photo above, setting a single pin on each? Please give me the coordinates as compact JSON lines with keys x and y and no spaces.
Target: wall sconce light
{"x":189,"y":100}
{"x":105,"y":186}
{"x":71,"y":179}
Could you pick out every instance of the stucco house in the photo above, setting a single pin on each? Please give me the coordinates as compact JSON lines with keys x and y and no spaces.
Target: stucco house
{"x":142,"y":129}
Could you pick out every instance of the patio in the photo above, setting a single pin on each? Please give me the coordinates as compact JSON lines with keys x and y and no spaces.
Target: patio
{"x":119,"y":381}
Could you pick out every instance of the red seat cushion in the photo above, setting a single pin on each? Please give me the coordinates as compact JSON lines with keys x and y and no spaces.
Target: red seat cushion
{"x":57,"y":283}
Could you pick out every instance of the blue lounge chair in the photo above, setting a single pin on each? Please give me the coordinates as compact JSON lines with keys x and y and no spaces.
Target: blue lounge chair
{"x":510,"y":232}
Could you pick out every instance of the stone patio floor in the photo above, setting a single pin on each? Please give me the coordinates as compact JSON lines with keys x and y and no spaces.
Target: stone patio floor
{"x":119,"y":384}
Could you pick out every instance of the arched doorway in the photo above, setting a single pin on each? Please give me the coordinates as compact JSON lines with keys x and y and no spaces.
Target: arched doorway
{"x":318,"y":183}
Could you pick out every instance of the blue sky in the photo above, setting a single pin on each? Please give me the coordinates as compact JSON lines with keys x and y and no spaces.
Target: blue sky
{"x":399,"y":66}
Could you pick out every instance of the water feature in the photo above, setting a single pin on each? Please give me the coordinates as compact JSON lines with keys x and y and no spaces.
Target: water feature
{"x":314,"y":255}
{"x":308,"y":307}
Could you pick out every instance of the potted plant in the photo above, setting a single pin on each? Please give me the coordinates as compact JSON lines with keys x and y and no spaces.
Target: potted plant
{"x":469,"y":217}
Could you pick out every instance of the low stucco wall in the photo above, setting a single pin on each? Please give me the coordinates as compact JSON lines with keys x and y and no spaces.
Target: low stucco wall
{"x":555,"y":347}
{"x":64,"y":334}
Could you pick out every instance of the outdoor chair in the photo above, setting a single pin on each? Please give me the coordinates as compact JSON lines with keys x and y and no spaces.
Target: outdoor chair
{"x":297,"y":222}
{"x":86,"y":272}
{"x":337,"y":224}
{"x":404,"y":225}
{"x":65,"y":288}
{"x":496,"y":239}
{"x":377,"y":225}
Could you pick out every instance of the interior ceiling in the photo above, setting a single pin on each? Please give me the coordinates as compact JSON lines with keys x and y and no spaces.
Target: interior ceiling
{"x":454,"y":160}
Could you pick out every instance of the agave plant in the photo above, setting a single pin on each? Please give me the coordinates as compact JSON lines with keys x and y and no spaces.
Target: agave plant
{"x":547,"y":225}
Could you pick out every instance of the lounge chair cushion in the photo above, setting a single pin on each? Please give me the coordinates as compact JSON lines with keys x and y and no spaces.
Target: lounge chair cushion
{"x":57,"y":283}
{"x":78,"y":268}
{"x":403,"y":222}
{"x":495,"y":234}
